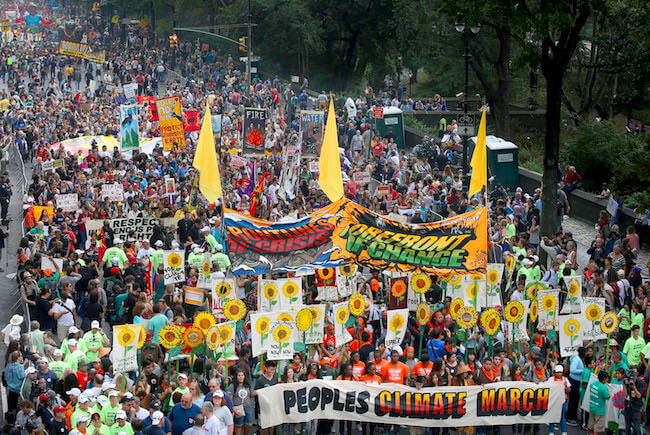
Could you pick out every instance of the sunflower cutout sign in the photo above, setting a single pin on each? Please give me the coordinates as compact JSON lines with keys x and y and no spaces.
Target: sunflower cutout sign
{"x":493,"y":286}
{"x":268,"y":296}
{"x":340,"y":315}
{"x":419,"y":285}
{"x":548,"y":309}
{"x":396,"y":320}
{"x":314,"y":334}
{"x":290,"y":292}
{"x":474,"y":290}
{"x":573,"y":302}
{"x":223,"y":289}
{"x":281,"y":343}
{"x":571,"y":330}
{"x":346,"y":280}
{"x":510,"y":266}
{"x":174,"y":266}
{"x":397,"y":292}
{"x":227,"y":339}
{"x":455,"y":286}
{"x":516,"y":316}
{"x":125,"y":348}
{"x":260,"y":332}
{"x":532,"y":287}
{"x":593,"y":310}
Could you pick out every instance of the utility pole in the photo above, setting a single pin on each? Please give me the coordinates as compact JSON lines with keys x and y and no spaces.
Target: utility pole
{"x":250,"y":49}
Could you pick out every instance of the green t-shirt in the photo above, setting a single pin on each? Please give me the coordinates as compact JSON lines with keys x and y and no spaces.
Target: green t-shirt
{"x":157,"y":258}
{"x":93,"y":340}
{"x":59,"y":367}
{"x":624,"y":322}
{"x":119,"y":303}
{"x":155,"y":325}
{"x":211,"y":241}
{"x":108,"y":413}
{"x":637,"y":319}
{"x":598,"y":398}
{"x":632,"y":349}
{"x":114,"y":252}
{"x":196,"y":260}
{"x":180,"y":390}
{"x":620,"y":365}
{"x":586,"y":374}
{"x":77,"y":413}
{"x":102,"y":430}
{"x":222,"y":259}
{"x":81,"y":345}
{"x":73,"y":359}
{"x":511,"y":231}
{"x":116,"y":428}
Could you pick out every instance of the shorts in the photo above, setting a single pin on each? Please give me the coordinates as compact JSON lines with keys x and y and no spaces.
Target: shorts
{"x":245,"y":419}
{"x":597,"y":423}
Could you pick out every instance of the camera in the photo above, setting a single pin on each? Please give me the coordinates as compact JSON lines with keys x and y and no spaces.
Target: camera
{"x":631,"y":376}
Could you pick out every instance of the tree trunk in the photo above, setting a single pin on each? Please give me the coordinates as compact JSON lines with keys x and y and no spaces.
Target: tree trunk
{"x":500,"y":108}
{"x":152,"y":11}
{"x":551,"y":154}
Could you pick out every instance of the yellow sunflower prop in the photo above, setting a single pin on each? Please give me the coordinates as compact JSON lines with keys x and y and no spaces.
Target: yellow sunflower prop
{"x":532,"y":289}
{"x":234,"y":309}
{"x":477,"y":277}
{"x":174,"y":260}
{"x":348,"y":270}
{"x":574,"y":288}
{"x":271,"y":292}
{"x":510,"y":262}
{"x":534,"y":310}
{"x":281,"y":333}
{"x":263,"y":324}
{"x":304,"y":319}
{"x":571,"y":327}
{"x":290,"y":290}
{"x":142,"y":335}
{"x":399,"y":288}
{"x":396,"y":323}
{"x":326,"y":274}
{"x":193,"y":336}
{"x":593,"y":313}
{"x":285,"y":317}
{"x":493,"y":277}
{"x":455,"y":280}
{"x":548,"y":303}
{"x":472,"y":290}
{"x":420,"y":283}
{"x":212,"y":337}
{"x":315,"y":313}
{"x":423,"y":314}
{"x":609,"y":322}
{"x":225,"y":333}
{"x":467,"y":318}
{"x":357,"y":304}
{"x":342,"y":315}
{"x":170,"y":336}
{"x":205,"y":268}
{"x":204,"y":321}
{"x":514,"y":311}
{"x":126,"y":337}
{"x":491,"y":321}
{"x":455,"y":307}
{"x":223,"y":289}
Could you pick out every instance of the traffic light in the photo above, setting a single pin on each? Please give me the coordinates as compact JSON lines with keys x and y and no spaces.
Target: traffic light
{"x":173,"y":41}
{"x":242,"y":43}
{"x":96,"y":6}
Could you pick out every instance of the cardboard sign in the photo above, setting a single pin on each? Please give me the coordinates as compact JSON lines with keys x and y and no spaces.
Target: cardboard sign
{"x":238,"y":161}
{"x":68,"y":202}
{"x":130,"y":90}
{"x":313,"y":166}
{"x":361,"y":177}
{"x":378,"y":112}
{"x":170,"y":187}
{"x":113,"y":192}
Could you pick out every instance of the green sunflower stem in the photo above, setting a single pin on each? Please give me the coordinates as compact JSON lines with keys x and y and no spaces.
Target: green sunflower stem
{"x":607,"y":360}
{"x":420,"y":344}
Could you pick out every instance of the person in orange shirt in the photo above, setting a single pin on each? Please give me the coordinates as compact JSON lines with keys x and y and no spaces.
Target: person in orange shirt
{"x":71,"y":406}
{"x":395,"y":371}
{"x":347,"y":373}
{"x":371,"y":375}
{"x":358,"y":366}
{"x":379,"y":360}
{"x":422,"y":367}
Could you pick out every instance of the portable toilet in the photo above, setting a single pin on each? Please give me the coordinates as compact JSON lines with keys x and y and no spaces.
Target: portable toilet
{"x":503,"y":161}
{"x":392,"y":119}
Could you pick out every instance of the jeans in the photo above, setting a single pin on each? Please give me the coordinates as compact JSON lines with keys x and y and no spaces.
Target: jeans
{"x":551,"y":427}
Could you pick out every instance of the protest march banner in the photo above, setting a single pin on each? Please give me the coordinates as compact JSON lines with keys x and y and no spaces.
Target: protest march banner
{"x":614,"y":407}
{"x":171,"y":123}
{"x":68,"y":202}
{"x":254,"y":130}
{"x":129,"y":129}
{"x":112,"y":192}
{"x":389,"y":403}
{"x":125,"y":347}
{"x":82,"y":50}
{"x":138,"y":228}
{"x":345,"y":233}
{"x":311,"y":132}
{"x":174,"y":266}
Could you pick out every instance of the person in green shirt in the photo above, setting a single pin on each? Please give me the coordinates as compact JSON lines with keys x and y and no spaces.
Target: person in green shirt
{"x":111,"y":409}
{"x":158,"y":257}
{"x":598,"y":395}
{"x":590,"y":365}
{"x":637,"y":317}
{"x":121,"y":425}
{"x":82,"y":409}
{"x":633,"y":347}
{"x":76,"y":356}
{"x":196,"y":258}
{"x":221,"y":258}
{"x":94,"y":339}
{"x":59,"y":366}
{"x":624,"y":323}
{"x":617,"y":362}
{"x":156,"y":323}
{"x":115,"y":251}
{"x":75,"y":333}
{"x":97,"y":427}
{"x":209,"y":238}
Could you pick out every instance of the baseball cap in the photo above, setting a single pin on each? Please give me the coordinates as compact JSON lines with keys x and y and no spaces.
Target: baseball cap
{"x":156,"y":417}
{"x":82,"y":419}
{"x":158,"y":243}
{"x":72,"y":342}
{"x":59,"y":408}
{"x":155,"y":404}
{"x":218,"y":393}
{"x":102,"y":400}
{"x":113,"y":393}
{"x":558,"y":368}
{"x":74,"y":392}
{"x":83,"y":399}
{"x":73,"y":330}
{"x":182,"y":375}
{"x":43,"y":397}
{"x":30,"y":370}
{"x":95,"y":324}
{"x":57,"y":352}
{"x":121,"y":414}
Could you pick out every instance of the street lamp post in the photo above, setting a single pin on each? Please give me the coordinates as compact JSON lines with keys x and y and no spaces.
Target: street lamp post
{"x":250,"y":49}
{"x":461,"y":28}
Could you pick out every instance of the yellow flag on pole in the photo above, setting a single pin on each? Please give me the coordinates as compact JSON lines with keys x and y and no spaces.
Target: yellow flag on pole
{"x":330,"y":179}
{"x":205,"y":160}
{"x":479,"y":161}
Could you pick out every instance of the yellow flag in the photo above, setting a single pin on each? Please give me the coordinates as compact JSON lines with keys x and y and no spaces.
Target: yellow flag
{"x":479,"y":161}
{"x":330,"y":178}
{"x":205,"y":160}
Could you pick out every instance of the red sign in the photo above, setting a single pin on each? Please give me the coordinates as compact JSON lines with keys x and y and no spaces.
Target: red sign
{"x":378,"y":112}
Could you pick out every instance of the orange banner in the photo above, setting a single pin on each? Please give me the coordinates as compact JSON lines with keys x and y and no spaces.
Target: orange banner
{"x":171,"y":123}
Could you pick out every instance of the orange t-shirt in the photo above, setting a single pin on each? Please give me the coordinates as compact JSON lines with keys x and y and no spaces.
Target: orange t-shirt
{"x":358,"y":369}
{"x":419,"y":369}
{"x":395,"y":373}
{"x":340,"y":378}
{"x":370,"y":379}
{"x":380,"y":365}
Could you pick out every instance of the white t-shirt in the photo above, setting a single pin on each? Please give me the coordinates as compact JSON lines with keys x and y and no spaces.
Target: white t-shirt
{"x":66,"y":319}
{"x":11,"y":332}
{"x":565,"y":381}
{"x":213,"y":426}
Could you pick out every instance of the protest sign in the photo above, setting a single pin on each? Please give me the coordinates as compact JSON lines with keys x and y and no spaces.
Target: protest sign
{"x":314,"y":334}
{"x":573,"y":301}
{"x":82,"y":50}
{"x":361,"y":177}
{"x":138,"y":228}
{"x":614,"y":406}
{"x":194,"y":296}
{"x":125,"y":348}
{"x":593,"y":310}
{"x":216,"y":123}
{"x":238,"y":162}
{"x":49,"y":263}
{"x":130,"y":90}
{"x":129,"y":130}
{"x":67,"y":202}
{"x":112,"y":192}
{"x":396,"y":321}
{"x":571,"y":330}
{"x":170,"y":186}
{"x":171,"y":123}
{"x":547,"y":301}
{"x":227,"y":339}
{"x":494,"y":274}
{"x":254,"y":130}
{"x":341,"y":314}
{"x":313,"y":166}
{"x":174,"y":266}
{"x":38,"y":211}
{"x":281,"y":341}
{"x":311,"y":132}
{"x":496,"y":404}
